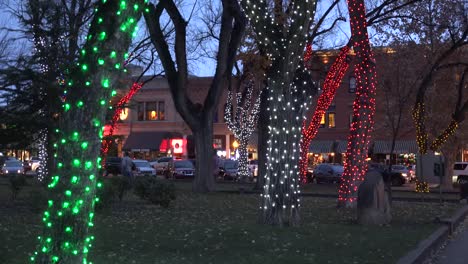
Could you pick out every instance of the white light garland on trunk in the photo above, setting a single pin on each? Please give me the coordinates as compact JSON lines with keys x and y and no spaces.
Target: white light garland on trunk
{"x":243,"y":124}
{"x":288,"y":83}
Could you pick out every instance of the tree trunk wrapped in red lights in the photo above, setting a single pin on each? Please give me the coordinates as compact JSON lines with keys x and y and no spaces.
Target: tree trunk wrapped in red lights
{"x":120,"y":105}
{"x":363,"y":107}
{"x":331,"y":84}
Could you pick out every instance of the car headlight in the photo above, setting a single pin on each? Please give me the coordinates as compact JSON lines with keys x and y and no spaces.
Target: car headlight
{"x":6,"y":171}
{"x":454,"y":178}
{"x":19,"y":171}
{"x":404,"y":175}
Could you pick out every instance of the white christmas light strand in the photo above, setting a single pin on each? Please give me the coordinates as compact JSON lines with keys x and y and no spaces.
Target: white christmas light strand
{"x":243,"y":124}
{"x":287,"y":103}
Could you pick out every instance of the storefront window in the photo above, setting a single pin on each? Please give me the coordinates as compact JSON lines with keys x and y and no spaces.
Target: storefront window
{"x":331,"y":120}
{"x":322,"y":122}
{"x":151,"y":111}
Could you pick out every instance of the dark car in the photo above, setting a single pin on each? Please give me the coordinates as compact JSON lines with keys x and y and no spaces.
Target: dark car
{"x":395,"y":178}
{"x":228,"y":170}
{"x":180,"y":169}
{"x":328,"y":173}
{"x":112,"y":166}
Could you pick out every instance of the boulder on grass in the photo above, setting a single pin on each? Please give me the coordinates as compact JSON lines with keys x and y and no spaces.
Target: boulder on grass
{"x":373,"y":203}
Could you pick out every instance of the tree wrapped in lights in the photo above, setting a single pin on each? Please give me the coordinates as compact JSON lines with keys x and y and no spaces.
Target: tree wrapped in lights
{"x":332,"y":82}
{"x":244,"y":122}
{"x":69,"y":216}
{"x":119,"y":107}
{"x":355,"y":165}
{"x":289,"y":90}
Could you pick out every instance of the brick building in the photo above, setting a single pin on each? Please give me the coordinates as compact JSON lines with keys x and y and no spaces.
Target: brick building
{"x":151,"y":121}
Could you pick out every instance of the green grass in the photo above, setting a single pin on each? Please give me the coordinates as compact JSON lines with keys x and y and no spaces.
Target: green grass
{"x":222,"y":228}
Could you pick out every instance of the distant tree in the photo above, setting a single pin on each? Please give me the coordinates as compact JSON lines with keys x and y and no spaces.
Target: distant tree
{"x":197,"y":116}
{"x":242,"y":121}
{"x":439,"y":28}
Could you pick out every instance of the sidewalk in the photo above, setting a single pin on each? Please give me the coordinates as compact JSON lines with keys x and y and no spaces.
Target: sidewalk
{"x":456,"y":250}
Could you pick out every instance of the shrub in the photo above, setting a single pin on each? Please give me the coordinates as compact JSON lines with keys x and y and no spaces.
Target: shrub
{"x":120,"y":184}
{"x":106,"y":194}
{"x":157,"y":191}
{"x":17,"y":182}
{"x":38,"y":199}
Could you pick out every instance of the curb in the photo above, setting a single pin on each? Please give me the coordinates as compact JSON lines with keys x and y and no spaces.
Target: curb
{"x":435,"y":240}
{"x":334,"y":196}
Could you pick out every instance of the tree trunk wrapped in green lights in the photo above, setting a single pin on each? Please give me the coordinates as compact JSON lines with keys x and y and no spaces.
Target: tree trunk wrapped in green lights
{"x":65,"y":237}
{"x":283,"y":37}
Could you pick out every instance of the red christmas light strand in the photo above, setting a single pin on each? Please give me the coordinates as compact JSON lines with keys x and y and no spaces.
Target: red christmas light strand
{"x":120,"y":105}
{"x":332,"y":82}
{"x":355,"y":165}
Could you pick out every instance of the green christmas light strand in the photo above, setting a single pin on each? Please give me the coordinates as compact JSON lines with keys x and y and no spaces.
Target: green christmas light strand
{"x":70,"y":213}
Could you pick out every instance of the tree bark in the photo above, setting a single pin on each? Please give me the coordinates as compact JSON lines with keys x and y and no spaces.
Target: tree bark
{"x":262,"y":128}
{"x":203,"y":137}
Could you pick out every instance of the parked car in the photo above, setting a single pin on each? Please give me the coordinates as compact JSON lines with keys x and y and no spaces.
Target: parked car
{"x":395,"y":178}
{"x":459,"y":169}
{"x":12,"y":167}
{"x":253,"y":168}
{"x":310,"y":174}
{"x":412,"y":172}
{"x":329,"y":173}
{"x":34,"y":163}
{"x":228,"y":169}
{"x":161,"y":165}
{"x":112,"y":166}
{"x":180,"y":169}
{"x":403,"y":170}
{"x":142,"y":167}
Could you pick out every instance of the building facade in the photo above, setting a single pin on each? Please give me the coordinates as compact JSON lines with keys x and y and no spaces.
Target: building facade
{"x":150,"y":126}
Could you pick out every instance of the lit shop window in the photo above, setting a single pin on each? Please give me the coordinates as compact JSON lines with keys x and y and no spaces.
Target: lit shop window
{"x":151,"y":111}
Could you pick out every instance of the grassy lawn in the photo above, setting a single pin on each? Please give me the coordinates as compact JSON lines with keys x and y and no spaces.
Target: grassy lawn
{"x":222,"y":228}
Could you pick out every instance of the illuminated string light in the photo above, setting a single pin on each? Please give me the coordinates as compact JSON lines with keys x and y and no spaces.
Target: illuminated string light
{"x":355,"y":164}
{"x":331,"y":84}
{"x":70,"y":213}
{"x":118,"y":110}
{"x":288,"y":83}
{"x":243,"y":124}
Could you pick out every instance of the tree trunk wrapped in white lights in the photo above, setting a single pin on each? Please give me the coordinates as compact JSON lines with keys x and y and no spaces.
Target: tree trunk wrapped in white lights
{"x":243,"y":124}
{"x":283,"y":37}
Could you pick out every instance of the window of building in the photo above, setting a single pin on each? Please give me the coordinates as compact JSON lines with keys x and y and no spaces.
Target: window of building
{"x":322,"y":122}
{"x":161,"y":111}
{"x":151,"y":111}
{"x":141,"y":111}
{"x":331,"y":120}
{"x":352,"y":84}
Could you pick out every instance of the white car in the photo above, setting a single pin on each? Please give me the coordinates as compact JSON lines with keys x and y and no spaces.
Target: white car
{"x":12,"y":167}
{"x":459,"y":169}
{"x":161,"y":165}
{"x":253,"y":168}
{"x":143,"y":168}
